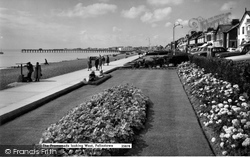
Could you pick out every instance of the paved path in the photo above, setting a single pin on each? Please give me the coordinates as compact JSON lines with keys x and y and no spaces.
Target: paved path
{"x":172,"y":128}
{"x":15,"y":101}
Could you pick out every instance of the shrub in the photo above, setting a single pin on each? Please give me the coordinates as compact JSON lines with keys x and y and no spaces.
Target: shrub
{"x":233,"y":72}
{"x":112,"y":116}
{"x":158,"y":53}
{"x":149,"y":63}
{"x":179,"y":58}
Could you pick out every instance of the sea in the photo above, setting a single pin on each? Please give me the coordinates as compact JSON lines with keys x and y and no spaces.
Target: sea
{"x":12,"y":57}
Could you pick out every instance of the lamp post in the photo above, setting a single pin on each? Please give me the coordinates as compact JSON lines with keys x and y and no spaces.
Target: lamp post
{"x":175,"y":25}
{"x":149,"y":44}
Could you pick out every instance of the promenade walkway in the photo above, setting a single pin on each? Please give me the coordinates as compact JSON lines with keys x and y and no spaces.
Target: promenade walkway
{"x":18,"y":100}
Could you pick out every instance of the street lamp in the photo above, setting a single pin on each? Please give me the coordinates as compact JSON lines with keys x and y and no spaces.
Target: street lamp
{"x":149,"y":44}
{"x":175,"y":25}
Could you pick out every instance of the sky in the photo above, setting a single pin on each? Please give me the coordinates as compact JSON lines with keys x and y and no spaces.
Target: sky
{"x":103,"y":23}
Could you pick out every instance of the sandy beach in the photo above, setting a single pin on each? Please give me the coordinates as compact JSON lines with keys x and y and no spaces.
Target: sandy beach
{"x":8,"y":76}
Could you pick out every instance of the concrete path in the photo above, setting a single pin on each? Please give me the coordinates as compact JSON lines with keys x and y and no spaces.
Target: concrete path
{"x":17,"y":100}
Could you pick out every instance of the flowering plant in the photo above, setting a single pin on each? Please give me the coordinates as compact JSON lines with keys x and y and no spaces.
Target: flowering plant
{"x":111,"y":116}
{"x":222,"y":107}
{"x":227,"y":70}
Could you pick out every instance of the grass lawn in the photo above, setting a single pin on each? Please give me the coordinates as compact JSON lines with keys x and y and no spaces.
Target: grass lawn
{"x":171,"y":128}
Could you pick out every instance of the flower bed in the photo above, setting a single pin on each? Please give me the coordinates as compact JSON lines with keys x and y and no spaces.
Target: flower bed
{"x":112,"y":116}
{"x":223,"y":111}
{"x":227,"y":70}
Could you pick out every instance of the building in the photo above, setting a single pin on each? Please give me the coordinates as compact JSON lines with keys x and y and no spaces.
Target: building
{"x":126,"y":49}
{"x":221,"y":35}
{"x":244,"y":28}
{"x":218,"y":31}
{"x":231,"y":36}
{"x":113,"y":48}
{"x":193,"y":39}
{"x":210,"y":36}
{"x":201,"y":39}
{"x":181,"y":44}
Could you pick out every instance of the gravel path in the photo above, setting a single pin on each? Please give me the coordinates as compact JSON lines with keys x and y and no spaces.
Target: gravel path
{"x":171,"y":129}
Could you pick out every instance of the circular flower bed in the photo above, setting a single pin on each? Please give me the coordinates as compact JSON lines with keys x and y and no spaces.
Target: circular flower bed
{"x":222,"y":108}
{"x":112,"y":116}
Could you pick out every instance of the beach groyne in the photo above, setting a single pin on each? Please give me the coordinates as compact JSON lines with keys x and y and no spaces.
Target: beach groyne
{"x":68,"y":51}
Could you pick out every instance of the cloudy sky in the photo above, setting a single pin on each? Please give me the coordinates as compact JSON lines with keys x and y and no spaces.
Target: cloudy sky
{"x":103,"y":23}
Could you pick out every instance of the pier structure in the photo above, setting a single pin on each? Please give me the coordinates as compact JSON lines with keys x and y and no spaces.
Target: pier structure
{"x":68,"y":51}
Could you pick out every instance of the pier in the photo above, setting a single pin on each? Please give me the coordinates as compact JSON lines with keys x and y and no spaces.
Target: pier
{"x":68,"y":51}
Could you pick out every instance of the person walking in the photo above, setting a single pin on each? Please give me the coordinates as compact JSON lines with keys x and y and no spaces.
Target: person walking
{"x":100,"y":62}
{"x":38,"y":72}
{"x":30,"y":71}
{"x":89,"y":64}
{"x":107,"y":60}
{"x":96,"y":63}
{"x":103,"y":60}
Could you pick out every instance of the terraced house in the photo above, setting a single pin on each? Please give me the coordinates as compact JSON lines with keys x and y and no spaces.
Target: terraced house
{"x":244,"y":28}
{"x":228,"y":34}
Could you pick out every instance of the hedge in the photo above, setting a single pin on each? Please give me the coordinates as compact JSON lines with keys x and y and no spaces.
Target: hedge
{"x":158,"y":60}
{"x":178,"y":58}
{"x":233,"y":72}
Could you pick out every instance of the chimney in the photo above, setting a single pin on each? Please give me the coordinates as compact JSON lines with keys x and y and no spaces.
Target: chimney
{"x":235,"y":21}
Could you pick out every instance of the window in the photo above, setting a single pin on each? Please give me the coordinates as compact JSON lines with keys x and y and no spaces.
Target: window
{"x":248,"y":20}
{"x":233,"y":44}
{"x":222,"y":50}
{"x":203,"y":54}
{"x":243,"y":28}
{"x":209,"y":38}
